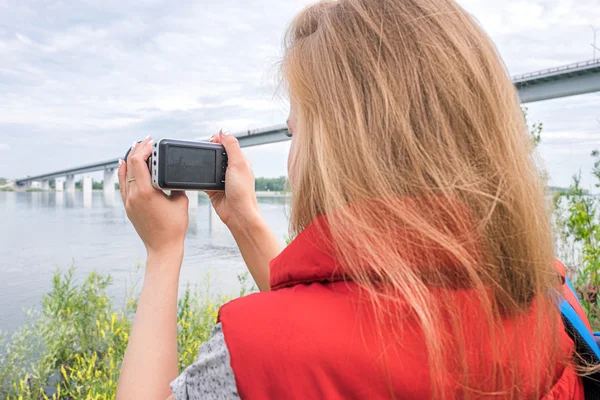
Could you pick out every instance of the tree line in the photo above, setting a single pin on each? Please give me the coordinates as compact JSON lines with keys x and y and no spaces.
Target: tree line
{"x":270,"y":184}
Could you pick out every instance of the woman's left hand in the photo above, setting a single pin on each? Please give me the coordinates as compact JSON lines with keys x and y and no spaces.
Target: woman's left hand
{"x":160,"y":220}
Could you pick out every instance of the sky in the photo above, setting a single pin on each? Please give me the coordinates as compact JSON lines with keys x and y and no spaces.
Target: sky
{"x":80,"y":80}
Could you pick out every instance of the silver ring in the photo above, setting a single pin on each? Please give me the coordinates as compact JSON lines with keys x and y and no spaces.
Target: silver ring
{"x":130,"y":180}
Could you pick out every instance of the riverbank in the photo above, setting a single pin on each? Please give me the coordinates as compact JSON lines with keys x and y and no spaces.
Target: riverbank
{"x":72,"y":347}
{"x":73,"y":343}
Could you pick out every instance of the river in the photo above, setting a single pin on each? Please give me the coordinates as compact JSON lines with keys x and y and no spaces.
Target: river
{"x":43,"y":231}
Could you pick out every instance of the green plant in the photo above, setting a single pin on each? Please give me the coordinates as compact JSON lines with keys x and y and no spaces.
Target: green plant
{"x":247,"y":285}
{"x":535,"y":129}
{"x":578,"y":230}
{"x":73,"y":347}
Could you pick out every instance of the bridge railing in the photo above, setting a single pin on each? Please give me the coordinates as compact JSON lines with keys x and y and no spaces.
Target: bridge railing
{"x":562,"y":68}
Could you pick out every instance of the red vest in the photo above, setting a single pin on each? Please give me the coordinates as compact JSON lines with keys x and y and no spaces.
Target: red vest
{"x":308,"y":339}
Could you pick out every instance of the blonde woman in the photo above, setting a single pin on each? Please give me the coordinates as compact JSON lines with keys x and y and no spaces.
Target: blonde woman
{"x":422,"y":265}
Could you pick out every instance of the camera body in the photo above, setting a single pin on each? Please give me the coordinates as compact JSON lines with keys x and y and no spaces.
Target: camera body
{"x":187,"y":165}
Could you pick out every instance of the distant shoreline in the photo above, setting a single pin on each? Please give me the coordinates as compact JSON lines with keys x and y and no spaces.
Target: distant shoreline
{"x":273,"y":194}
{"x":21,"y":190}
{"x":9,"y":186}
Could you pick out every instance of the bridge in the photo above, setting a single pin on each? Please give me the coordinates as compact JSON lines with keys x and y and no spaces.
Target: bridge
{"x":564,"y":81}
{"x":254,"y":137}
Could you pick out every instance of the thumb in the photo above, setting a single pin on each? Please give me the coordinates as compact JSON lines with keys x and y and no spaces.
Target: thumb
{"x":232,"y":146}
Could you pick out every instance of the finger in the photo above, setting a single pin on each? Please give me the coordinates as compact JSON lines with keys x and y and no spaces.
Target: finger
{"x":139,"y":168}
{"x":123,"y":180}
{"x":131,"y":152}
{"x":215,"y":138}
{"x":134,"y":149}
{"x":232,"y":147}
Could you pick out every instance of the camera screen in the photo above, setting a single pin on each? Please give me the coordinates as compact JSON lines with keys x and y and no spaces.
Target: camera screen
{"x":191,"y":165}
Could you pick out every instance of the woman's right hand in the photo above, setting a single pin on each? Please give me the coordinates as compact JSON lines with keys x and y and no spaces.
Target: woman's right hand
{"x":237,"y":205}
{"x":238,"y":209}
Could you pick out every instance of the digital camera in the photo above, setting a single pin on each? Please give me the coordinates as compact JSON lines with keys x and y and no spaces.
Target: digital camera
{"x":187,"y":165}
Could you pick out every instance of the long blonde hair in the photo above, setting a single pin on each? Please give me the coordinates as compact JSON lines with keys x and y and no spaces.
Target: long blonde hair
{"x":409,"y":99}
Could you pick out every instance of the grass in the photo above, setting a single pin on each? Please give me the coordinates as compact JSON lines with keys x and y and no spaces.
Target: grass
{"x":72,"y":348}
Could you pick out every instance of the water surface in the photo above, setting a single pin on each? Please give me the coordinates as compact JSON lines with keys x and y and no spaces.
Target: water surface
{"x":40,"y":232}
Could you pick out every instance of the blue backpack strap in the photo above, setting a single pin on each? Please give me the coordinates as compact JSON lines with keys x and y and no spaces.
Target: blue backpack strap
{"x":578,"y":331}
{"x":585,"y":345}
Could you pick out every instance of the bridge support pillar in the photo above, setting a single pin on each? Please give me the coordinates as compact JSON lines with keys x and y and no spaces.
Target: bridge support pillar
{"x":193,"y":198}
{"x":45,"y":185}
{"x":109,"y":180}
{"x":86,"y":185}
{"x":35,"y":185}
{"x":59,"y":186}
{"x":70,"y":184}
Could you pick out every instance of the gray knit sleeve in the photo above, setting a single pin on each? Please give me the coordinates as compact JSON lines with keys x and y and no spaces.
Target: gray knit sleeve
{"x":210,"y":376}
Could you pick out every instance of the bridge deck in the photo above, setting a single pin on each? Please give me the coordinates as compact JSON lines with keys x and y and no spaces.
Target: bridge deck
{"x":568,"y":80}
{"x":565,"y":81}
{"x":253,"y":137}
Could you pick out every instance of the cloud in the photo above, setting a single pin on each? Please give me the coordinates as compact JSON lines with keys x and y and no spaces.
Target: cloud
{"x":538,"y":34}
{"x":4,"y":146}
{"x":87,"y":78}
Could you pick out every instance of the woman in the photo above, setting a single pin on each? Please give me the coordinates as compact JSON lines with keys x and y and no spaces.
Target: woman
{"x":422,"y":265}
